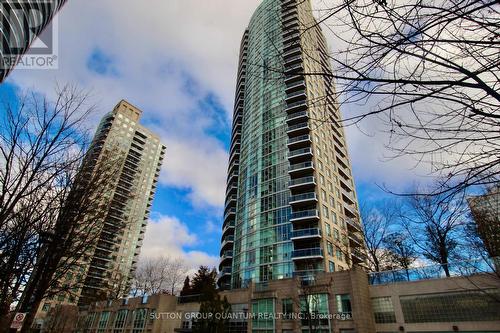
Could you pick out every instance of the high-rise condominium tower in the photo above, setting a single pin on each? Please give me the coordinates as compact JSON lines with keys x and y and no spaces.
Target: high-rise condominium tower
{"x":140,"y":154}
{"x":21,"y":21}
{"x":291,"y":206}
{"x":485,"y":210}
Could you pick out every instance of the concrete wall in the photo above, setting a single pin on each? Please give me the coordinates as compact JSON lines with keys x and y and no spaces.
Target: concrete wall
{"x":353,"y":282}
{"x":423,"y":287}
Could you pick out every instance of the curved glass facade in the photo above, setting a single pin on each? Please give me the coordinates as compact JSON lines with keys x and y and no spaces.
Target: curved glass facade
{"x":262,"y":243}
{"x":291,"y":208}
{"x":21,"y":21}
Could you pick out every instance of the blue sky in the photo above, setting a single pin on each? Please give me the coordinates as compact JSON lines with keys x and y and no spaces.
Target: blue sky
{"x":179,"y":66}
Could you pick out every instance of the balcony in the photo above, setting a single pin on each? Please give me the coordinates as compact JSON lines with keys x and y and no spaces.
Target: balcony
{"x":230,"y":213}
{"x":357,"y":256}
{"x":300,"y":154}
{"x":224,"y":270}
{"x":295,"y":69}
{"x":288,"y":3}
{"x":237,"y":133}
{"x":296,"y":106}
{"x":299,"y":169}
{"x":293,"y":51}
{"x":235,"y":156}
{"x":292,"y":79}
{"x":312,"y":253}
{"x":353,"y":224}
{"x":229,"y":239}
{"x":296,"y":86}
{"x":304,"y":215}
{"x":298,"y":129}
{"x":303,"y":182}
{"x":287,"y":33}
{"x":306,"y":234}
{"x":295,"y":96}
{"x":355,"y":241}
{"x":231,"y":189}
{"x":234,"y":165}
{"x":234,"y":145}
{"x":349,"y":196}
{"x":293,"y":38}
{"x":232,"y":176}
{"x":293,"y":60}
{"x":297,"y":116}
{"x":287,"y":9}
{"x":299,"y":141}
{"x":292,"y":26}
{"x":227,"y":255}
{"x":343,"y":168}
{"x":349,"y":210}
{"x":304,"y":198}
{"x":231,"y":201}
{"x":228,"y":229}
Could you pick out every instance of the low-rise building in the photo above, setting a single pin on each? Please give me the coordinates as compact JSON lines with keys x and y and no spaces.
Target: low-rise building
{"x":419,"y":300}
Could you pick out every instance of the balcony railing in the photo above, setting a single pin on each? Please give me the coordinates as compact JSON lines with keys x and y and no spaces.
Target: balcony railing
{"x":292,"y":59}
{"x":303,"y":233}
{"x":355,"y":238}
{"x":225,"y":270}
{"x":296,"y":93}
{"x":304,"y":196}
{"x":227,"y":227}
{"x":358,"y":255}
{"x":304,"y":214}
{"x":290,"y":35}
{"x":300,"y":152}
{"x":296,"y":49}
{"x":307,"y":253}
{"x":305,"y":137}
{"x":230,"y":199}
{"x":353,"y":223}
{"x":228,"y":239}
{"x":295,"y":104}
{"x":296,"y":115}
{"x":456,"y":268}
{"x":299,"y":166}
{"x":231,"y":188}
{"x":298,"y":126}
{"x":227,"y":254}
{"x":301,"y":181}
{"x":300,"y":84}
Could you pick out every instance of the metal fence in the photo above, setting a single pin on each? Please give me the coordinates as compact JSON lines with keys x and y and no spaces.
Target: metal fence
{"x":457,"y":268}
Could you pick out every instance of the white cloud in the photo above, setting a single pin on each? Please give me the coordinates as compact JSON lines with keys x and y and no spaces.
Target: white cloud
{"x":165,"y":58}
{"x":200,"y":164}
{"x":167,"y":236}
{"x":158,"y":49}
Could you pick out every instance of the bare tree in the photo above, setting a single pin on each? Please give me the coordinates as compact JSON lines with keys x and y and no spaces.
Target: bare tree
{"x":435,"y":224}
{"x":401,"y":251}
{"x":427,"y":71}
{"x":40,"y":142}
{"x":377,"y":222}
{"x":52,"y":197}
{"x":72,"y":237}
{"x":158,"y":275}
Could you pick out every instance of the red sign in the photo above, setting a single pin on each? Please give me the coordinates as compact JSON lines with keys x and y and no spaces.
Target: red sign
{"x":17,"y":323}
